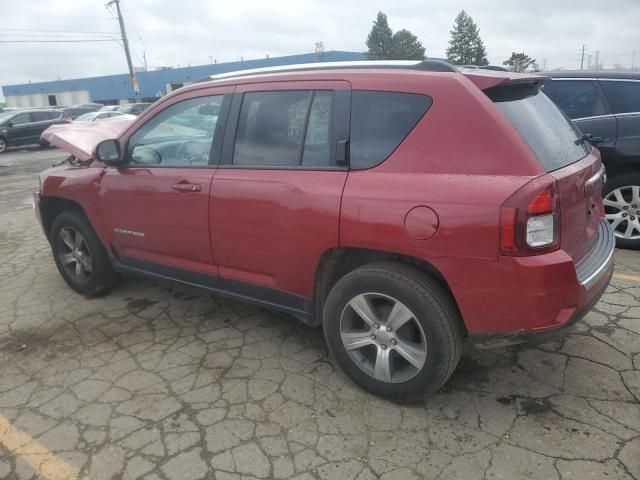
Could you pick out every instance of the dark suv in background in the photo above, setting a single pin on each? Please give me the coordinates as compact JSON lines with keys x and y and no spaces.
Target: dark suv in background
{"x":606,"y":105}
{"x":25,"y":127}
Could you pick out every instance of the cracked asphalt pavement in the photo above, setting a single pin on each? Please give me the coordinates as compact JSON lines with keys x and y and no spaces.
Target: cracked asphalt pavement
{"x":161,"y":381}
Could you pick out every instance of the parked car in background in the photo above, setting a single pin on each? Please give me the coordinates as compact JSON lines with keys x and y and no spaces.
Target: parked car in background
{"x":108,"y":108}
{"x":605,"y":105}
{"x":25,"y":127}
{"x":99,"y":115}
{"x":132,"y":108}
{"x":403,"y":206}
{"x":75,"y":111}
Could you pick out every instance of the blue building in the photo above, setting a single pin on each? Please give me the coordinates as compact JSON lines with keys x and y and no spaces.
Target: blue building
{"x":113,"y":89}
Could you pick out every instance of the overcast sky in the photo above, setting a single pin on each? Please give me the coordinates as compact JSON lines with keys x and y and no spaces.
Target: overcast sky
{"x":182,"y":32}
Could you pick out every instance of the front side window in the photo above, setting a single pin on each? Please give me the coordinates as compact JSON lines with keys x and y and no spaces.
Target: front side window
{"x":21,"y":119}
{"x":284,"y":129}
{"x":180,"y":136}
{"x":624,"y":97}
{"x":577,"y":98}
{"x":380,"y":121}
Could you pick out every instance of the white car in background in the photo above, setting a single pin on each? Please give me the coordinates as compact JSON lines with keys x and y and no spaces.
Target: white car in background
{"x":99,"y":115}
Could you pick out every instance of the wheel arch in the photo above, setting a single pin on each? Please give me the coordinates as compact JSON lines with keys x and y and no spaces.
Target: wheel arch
{"x":337,"y":262}
{"x":51,"y":207}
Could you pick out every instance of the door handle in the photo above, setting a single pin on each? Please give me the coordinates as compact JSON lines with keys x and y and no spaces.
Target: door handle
{"x":186,"y":187}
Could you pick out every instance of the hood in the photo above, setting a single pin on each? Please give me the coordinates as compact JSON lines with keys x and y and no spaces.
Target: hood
{"x":81,"y":139}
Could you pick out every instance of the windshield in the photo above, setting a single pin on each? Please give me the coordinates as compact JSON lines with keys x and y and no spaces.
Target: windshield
{"x":548,"y":132}
{"x":87,"y":117}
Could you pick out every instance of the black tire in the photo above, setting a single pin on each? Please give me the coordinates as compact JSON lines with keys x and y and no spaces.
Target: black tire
{"x":101,"y":277}
{"x":4,"y":144}
{"x":621,"y":181}
{"x":433,"y":309}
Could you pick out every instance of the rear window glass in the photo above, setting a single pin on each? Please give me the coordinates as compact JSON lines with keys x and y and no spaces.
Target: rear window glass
{"x":379,"y":123}
{"x":548,"y":132}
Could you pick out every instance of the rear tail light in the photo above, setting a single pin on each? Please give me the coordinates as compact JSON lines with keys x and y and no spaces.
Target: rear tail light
{"x":529,"y":219}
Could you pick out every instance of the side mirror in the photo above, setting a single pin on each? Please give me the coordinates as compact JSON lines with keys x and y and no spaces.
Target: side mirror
{"x":9,"y":124}
{"x":108,"y":151}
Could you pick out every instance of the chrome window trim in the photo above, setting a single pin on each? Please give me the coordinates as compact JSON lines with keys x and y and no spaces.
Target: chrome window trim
{"x":618,"y":80}
{"x":627,"y":114}
{"x":594,"y":116}
{"x":573,"y":78}
{"x":593,"y":79}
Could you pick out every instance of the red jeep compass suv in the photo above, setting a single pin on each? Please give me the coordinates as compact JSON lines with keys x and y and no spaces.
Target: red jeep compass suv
{"x":403,"y":206}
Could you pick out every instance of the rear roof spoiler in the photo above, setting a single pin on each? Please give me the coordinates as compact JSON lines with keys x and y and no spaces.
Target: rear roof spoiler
{"x":484,"y":79}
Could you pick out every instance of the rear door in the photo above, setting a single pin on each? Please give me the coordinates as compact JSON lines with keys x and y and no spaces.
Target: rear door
{"x":276,"y":195}
{"x":583,"y":101}
{"x":624,"y":98}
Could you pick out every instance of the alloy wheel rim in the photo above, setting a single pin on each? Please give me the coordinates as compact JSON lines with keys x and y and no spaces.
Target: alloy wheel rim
{"x":383,"y":337}
{"x":74,"y":255}
{"x":622,"y":211}
{"x":3,"y":145}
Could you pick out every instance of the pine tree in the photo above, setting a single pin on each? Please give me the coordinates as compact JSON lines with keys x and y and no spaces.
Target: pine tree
{"x":465,"y":45}
{"x":379,"y":41}
{"x":521,"y":62}
{"x":406,"y":46}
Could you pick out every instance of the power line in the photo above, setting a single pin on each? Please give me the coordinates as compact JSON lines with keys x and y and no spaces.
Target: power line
{"x":80,"y":40}
{"x":54,"y":16}
{"x":52,"y":31}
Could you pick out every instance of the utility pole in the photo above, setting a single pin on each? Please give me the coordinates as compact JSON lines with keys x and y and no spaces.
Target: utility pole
{"x":582,"y":57}
{"x":544,"y":64}
{"x":633,"y":60}
{"x":144,"y":57}
{"x":597,"y":60}
{"x":132,"y":72}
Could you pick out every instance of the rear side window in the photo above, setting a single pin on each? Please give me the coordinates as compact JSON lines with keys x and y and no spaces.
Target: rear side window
{"x":380,"y":121}
{"x":577,"y":98}
{"x":624,"y":97}
{"x":284,"y":129}
{"x":40,"y":116}
{"x":552,"y":137}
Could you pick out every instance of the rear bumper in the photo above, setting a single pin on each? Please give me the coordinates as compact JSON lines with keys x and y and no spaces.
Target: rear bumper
{"x":522,"y":296}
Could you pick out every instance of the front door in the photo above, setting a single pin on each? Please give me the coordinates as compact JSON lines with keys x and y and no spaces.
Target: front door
{"x":276,"y":196}
{"x":157,"y":205}
{"x":22,"y":130}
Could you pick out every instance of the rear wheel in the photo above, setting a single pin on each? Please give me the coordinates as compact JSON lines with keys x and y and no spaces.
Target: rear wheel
{"x":622,"y":209}
{"x":80,"y":257}
{"x":393,"y":330}
{"x":3,"y":145}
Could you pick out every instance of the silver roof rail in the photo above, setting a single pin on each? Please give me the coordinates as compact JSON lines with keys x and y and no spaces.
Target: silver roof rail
{"x":425,"y":65}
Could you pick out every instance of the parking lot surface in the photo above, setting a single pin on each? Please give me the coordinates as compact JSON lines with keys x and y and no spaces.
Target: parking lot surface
{"x":161,"y":381}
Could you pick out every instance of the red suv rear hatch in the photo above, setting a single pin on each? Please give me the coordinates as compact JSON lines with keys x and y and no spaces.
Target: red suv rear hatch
{"x":565,"y":155}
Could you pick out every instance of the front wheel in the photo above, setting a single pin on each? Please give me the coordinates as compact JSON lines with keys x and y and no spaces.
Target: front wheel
{"x":622,"y":209}
{"x":393,"y":330}
{"x":3,"y":145}
{"x":79,"y":255}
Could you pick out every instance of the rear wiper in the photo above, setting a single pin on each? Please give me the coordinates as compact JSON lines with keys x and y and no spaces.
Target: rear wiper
{"x":587,"y":137}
